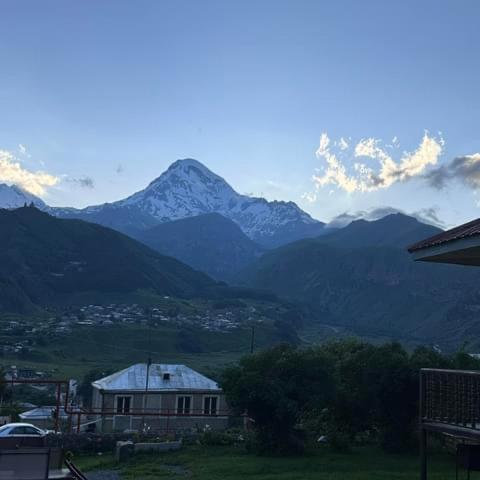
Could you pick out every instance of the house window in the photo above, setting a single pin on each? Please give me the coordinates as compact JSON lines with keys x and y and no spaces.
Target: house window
{"x":210,"y":405}
{"x":184,"y":405}
{"x":123,"y":404}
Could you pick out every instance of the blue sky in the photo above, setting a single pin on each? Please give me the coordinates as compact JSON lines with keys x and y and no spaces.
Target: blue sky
{"x":104,"y":95}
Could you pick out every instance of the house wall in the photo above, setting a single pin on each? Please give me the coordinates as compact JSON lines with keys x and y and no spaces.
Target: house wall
{"x":47,"y":423}
{"x":165,"y":404}
{"x":96,"y":399}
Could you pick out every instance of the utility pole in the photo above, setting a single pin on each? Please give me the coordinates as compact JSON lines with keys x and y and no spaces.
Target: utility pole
{"x":149,"y":362}
{"x":145,"y":401}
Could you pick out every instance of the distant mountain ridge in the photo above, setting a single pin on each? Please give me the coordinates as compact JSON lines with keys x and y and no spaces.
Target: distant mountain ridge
{"x":16,"y":197}
{"x":187,"y":189}
{"x":394,"y":230}
{"x":210,"y":243}
{"x":362,"y":277}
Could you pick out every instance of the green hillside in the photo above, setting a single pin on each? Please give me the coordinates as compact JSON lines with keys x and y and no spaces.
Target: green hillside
{"x":45,"y":260}
{"x":395,"y":230}
{"x":210,"y":243}
{"x":365,"y":281}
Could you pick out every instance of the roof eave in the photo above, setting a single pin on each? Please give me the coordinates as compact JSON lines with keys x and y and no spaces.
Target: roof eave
{"x":153,"y":390}
{"x":464,"y":251}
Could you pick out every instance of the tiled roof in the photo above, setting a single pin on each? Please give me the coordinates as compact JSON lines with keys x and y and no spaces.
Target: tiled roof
{"x":135,"y":378}
{"x":466,"y":230}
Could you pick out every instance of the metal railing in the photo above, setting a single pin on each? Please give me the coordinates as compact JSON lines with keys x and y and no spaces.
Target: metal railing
{"x":450,"y":397}
{"x":74,"y":417}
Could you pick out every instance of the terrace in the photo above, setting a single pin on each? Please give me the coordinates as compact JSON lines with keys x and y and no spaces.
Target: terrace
{"x":450,"y":405}
{"x":450,"y":399}
{"x":450,"y":402}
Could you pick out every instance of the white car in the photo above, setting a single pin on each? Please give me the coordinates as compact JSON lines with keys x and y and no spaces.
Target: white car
{"x":21,"y":430}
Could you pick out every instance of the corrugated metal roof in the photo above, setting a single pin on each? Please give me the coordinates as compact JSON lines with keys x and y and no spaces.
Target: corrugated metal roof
{"x":466,"y":230}
{"x":135,"y":378}
{"x":42,"y":413}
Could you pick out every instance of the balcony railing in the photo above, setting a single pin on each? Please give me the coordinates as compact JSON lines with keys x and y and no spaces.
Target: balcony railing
{"x":450,"y":400}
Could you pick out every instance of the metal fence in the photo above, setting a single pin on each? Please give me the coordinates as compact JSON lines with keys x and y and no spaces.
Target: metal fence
{"x":450,"y":397}
{"x":66,"y":417}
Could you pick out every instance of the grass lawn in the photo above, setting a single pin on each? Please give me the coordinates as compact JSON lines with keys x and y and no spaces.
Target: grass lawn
{"x":231,"y":463}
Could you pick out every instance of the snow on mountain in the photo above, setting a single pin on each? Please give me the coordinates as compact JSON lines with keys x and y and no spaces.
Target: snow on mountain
{"x":186,"y":189}
{"x":12,"y":196}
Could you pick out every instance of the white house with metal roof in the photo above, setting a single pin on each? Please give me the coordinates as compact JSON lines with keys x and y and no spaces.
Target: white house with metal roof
{"x":158,"y":398}
{"x":43,"y":417}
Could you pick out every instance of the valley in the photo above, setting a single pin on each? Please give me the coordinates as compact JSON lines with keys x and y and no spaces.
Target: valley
{"x":189,"y":236}
{"x":238,"y":240}
{"x":205,"y":332}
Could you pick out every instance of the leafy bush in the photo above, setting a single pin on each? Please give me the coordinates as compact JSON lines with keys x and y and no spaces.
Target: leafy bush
{"x":276,"y":387}
{"x":340,"y":442}
{"x":215,"y":438}
{"x":347,"y":390}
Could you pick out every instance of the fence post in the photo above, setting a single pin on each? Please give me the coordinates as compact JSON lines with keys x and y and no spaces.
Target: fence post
{"x":422,"y":431}
{"x":423,"y":454}
{"x":57,"y":412}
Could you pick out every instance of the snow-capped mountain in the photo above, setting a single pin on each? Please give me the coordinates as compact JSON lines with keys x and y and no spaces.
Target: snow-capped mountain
{"x":186,"y":189}
{"x":12,"y":196}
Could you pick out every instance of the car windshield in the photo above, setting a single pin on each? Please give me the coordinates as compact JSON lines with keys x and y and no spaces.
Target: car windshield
{"x":5,"y":427}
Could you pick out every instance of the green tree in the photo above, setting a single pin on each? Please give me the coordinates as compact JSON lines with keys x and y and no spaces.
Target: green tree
{"x":276,"y":388}
{"x":351,"y":410}
{"x":377,"y":389}
{"x":85,"y":387}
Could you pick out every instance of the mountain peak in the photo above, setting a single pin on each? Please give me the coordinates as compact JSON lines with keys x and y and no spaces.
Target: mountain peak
{"x":184,"y":163}
{"x":187,"y":170}
{"x":186,"y":189}
{"x":395,"y":229}
{"x":399,"y":217}
{"x":396,"y":219}
{"x":13,"y":196}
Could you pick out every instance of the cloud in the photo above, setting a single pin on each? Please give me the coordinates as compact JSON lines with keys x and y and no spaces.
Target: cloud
{"x":343,"y":144}
{"x":430,"y":216}
{"x":364,"y":177}
{"x":335,"y":172}
{"x":425,"y":215}
{"x":12,"y":171}
{"x":22,"y":149}
{"x":84,"y":182}
{"x":465,"y":169}
{"x":370,"y":215}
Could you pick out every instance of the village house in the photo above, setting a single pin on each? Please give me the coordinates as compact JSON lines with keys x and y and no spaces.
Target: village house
{"x":43,"y":417}
{"x":158,"y":398}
